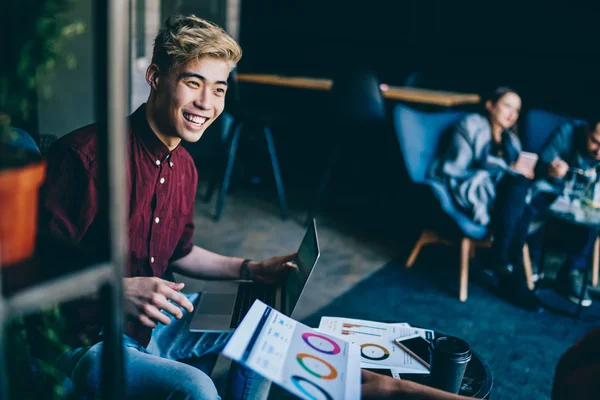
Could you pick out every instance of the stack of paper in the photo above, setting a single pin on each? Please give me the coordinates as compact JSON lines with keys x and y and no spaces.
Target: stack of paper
{"x":376,"y":342}
{"x":307,"y":363}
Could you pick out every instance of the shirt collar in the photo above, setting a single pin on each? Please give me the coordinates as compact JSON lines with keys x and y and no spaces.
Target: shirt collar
{"x":154,"y":148}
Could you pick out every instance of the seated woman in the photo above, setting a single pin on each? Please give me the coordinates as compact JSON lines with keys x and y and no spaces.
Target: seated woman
{"x":479,"y":168}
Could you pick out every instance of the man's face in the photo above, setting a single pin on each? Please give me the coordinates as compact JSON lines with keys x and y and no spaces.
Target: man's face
{"x":189,"y":98}
{"x":593,"y":141}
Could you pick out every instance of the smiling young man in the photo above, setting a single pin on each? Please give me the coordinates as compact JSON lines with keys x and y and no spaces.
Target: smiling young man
{"x":188,"y":78}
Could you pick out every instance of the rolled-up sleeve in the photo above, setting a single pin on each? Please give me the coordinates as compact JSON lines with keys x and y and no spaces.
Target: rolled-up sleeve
{"x":558,"y":146}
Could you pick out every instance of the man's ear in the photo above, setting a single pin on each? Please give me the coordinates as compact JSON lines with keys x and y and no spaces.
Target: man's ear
{"x":152,"y":76}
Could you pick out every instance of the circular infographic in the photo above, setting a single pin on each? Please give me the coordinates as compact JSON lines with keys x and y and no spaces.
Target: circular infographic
{"x":317,"y":367}
{"x":321,"y":343}
{"x":375,"y":352}
{"x":310,"y":389}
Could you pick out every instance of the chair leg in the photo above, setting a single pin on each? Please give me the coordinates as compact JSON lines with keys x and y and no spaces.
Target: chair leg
{"x":276,"y":172}
{"x":595,"y":262}
{"x":426,"y":237}
{"x":528,"y":267}
{"x":333,"y":160}
{"x":212,"y":186}
{"x":465,"y":250}
{"x":472,"y":252}
{"x":229,"y":126}
{"x":421,"y":241}
{"x":581,"y":296}
{"x":229,"y":169}
{"x":543,"y":254}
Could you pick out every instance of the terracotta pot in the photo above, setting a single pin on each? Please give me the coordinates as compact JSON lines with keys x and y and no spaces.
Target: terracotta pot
{"x":19,"y":193}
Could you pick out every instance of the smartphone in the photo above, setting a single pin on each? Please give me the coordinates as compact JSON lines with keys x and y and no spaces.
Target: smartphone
{"x":526,"y":161}
{"x":417,"y":347}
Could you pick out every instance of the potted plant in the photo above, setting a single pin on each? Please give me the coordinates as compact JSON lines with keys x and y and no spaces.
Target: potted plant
{"x":21,"y":174}
{"x":35,"y":31}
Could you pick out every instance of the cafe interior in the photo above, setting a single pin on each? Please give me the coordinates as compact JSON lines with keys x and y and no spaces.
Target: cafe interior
{"x":336,"y":112}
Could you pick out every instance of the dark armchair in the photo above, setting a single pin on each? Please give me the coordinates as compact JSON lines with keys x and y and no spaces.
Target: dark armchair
{"x":419,"y":134}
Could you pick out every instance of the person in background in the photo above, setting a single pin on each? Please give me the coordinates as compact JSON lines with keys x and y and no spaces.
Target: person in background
{"x":572,"y":146}
{"x":479,"y":167}
{"x":577,"y":374}
{"x":191,"y":62}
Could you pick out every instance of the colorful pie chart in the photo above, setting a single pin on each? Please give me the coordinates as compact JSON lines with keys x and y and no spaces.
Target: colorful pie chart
{"x":374,"y":352}
{"x":310,"y":389}
{"x":314,"y":365}
{"x":321,"y":343}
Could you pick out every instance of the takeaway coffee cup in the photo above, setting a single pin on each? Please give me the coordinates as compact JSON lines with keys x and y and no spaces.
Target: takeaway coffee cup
{"x":448,"y":359}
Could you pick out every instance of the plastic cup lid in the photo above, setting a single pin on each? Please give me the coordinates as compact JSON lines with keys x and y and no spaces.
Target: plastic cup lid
{"x":451,"y":346}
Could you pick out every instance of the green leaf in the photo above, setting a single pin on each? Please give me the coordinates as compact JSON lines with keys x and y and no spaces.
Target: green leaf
{"x":71,"y":61}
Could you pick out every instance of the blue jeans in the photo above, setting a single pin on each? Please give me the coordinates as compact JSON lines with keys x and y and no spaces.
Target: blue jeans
{"x":175,"y":365}
{"x":513,"y":216}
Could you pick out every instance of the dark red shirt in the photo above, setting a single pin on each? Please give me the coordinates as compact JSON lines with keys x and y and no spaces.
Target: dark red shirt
{"x":160,"y":195}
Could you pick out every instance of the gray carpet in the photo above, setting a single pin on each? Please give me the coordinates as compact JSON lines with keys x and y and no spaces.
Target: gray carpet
{"x":521,"y":348}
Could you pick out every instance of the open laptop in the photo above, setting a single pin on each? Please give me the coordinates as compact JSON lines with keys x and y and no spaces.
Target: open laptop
{"x":224,"y":311}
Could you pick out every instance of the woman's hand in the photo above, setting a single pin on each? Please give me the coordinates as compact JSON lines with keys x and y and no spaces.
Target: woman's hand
{"x":525,"y":171}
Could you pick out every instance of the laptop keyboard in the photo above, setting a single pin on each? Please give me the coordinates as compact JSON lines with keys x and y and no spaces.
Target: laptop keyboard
{"x":247,"y":293}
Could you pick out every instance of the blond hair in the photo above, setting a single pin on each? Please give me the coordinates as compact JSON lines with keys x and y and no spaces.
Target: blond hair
{"x":188,"y":38}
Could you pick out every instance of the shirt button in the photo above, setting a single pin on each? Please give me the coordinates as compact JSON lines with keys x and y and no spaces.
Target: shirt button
{"x":162,"y":180}
{"x":151,"y":259}
{"x":157,"y":162}
{"x":171,"y":164}
{"x":157,"y":220}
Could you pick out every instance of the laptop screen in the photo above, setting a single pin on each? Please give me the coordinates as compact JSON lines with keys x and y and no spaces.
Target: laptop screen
{"x":307,"y":257}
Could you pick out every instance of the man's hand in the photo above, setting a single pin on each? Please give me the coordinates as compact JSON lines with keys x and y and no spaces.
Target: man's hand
{"x":376,"y":386}
{"x":379,"y":387}
{"x":558,"y":168}
{"x":146,"y":297}
{"x":272,"y":270}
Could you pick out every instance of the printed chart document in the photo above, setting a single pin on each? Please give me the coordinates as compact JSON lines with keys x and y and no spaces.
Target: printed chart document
{"x":376,"y":342}
{"x":309,"y":364}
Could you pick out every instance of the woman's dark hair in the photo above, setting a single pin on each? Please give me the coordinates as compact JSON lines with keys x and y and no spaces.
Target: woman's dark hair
{"x":497,"y":94}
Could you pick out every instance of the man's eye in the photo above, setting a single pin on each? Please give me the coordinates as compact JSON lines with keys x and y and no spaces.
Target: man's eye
{"x":193,"y":83}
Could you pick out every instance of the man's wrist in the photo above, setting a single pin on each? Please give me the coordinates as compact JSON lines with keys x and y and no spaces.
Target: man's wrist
{"x":245,"y":274}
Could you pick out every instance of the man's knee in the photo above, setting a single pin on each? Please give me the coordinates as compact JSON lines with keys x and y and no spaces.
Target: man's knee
{"x":177,"y":380}
{"x":195,"y":384}
{"x":86,"y":374}
{"x":246,"y":384}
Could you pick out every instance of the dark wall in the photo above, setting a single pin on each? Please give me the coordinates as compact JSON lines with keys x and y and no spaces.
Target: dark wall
{"x":547,"y":50}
